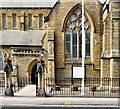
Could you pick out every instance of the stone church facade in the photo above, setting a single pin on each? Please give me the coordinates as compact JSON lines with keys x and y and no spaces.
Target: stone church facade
{"x":56,"y":27}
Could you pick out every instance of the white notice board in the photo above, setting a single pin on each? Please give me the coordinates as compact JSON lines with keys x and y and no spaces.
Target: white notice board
{"x":78,"y":72}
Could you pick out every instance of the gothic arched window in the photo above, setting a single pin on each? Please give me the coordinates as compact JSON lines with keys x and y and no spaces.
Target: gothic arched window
{"x":74,"y":35}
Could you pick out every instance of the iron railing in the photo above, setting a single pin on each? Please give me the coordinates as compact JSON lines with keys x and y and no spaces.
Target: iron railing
{"x":73,"y":86}
{"x":20,"y":84}
{"x":2,"y":86}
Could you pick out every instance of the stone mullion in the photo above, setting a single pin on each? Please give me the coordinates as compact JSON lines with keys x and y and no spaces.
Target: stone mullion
{"x":22,"y":19}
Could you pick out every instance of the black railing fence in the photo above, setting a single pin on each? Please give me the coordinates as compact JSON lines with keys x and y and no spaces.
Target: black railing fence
{"x":2,"y":86}
{"x":73,"y":86}
{"x":20,"y":84}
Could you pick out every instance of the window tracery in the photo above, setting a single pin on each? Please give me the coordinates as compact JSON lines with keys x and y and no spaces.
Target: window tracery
{"x":74,"y":35}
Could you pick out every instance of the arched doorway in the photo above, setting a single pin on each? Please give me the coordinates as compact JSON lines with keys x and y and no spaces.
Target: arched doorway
{"x":34,"y":78}
{"x":32,"y":67}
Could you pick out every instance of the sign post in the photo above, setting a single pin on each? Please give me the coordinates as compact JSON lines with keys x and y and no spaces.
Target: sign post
{"x":83,"y":47}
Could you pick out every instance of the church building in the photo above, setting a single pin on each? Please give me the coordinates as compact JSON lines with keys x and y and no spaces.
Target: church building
{"x":51,"y":31}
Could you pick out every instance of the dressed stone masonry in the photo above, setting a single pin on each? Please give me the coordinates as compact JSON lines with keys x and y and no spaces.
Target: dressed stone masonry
{"x":55,"y":25}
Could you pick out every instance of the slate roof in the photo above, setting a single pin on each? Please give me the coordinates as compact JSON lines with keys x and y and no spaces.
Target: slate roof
{"x":17,"y":37}
{"x":28,"y":3}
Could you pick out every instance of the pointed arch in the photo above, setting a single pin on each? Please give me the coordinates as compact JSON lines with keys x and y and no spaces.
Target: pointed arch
{"x":29,"y":69}
{"x":73,"y":23}
{"x":30,"y":66}
{"x":92,"y":25}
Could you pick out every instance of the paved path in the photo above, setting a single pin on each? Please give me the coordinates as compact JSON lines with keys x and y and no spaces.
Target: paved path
{"x":60,"y":108}
{"x":28,"y":90}
{"x":58,"y":101}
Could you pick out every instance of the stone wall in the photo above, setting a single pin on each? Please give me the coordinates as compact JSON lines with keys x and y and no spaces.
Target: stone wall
{"x":111,"y":41}
{"x":22,"y":18}
{"x":105,"y":39}
{"x":23,"y":61}
{"x":105,"y":68}
{"x":56,"y":22}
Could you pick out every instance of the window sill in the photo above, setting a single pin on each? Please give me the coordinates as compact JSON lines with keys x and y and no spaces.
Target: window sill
{"x":77,"y":58}
{"x":77,"y":61}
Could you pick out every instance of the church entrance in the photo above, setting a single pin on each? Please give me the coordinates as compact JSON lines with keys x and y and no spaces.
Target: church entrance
{"x":34,"y":75}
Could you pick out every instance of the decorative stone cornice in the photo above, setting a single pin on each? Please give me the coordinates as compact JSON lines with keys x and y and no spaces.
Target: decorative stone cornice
{"x":25,"y":51}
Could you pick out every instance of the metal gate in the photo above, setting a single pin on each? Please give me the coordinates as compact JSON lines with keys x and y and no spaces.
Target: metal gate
{"x":2,"y":85}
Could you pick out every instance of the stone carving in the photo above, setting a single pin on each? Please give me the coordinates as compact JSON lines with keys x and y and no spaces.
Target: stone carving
{"x":26,"y":51}
{"x":6,"y":61}
{"x":3,"y":54}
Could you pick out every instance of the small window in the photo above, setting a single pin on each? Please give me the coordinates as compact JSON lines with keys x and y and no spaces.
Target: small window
{"x":1,"y":61}
{"x":14,"y":21}
{"x":40,"y":21}
{"x":30,"y":21}
{"x":4,"y":20}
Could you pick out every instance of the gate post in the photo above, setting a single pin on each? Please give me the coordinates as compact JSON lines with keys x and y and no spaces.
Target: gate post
{"x":40,"y":91}
{"x":8,"y":69}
